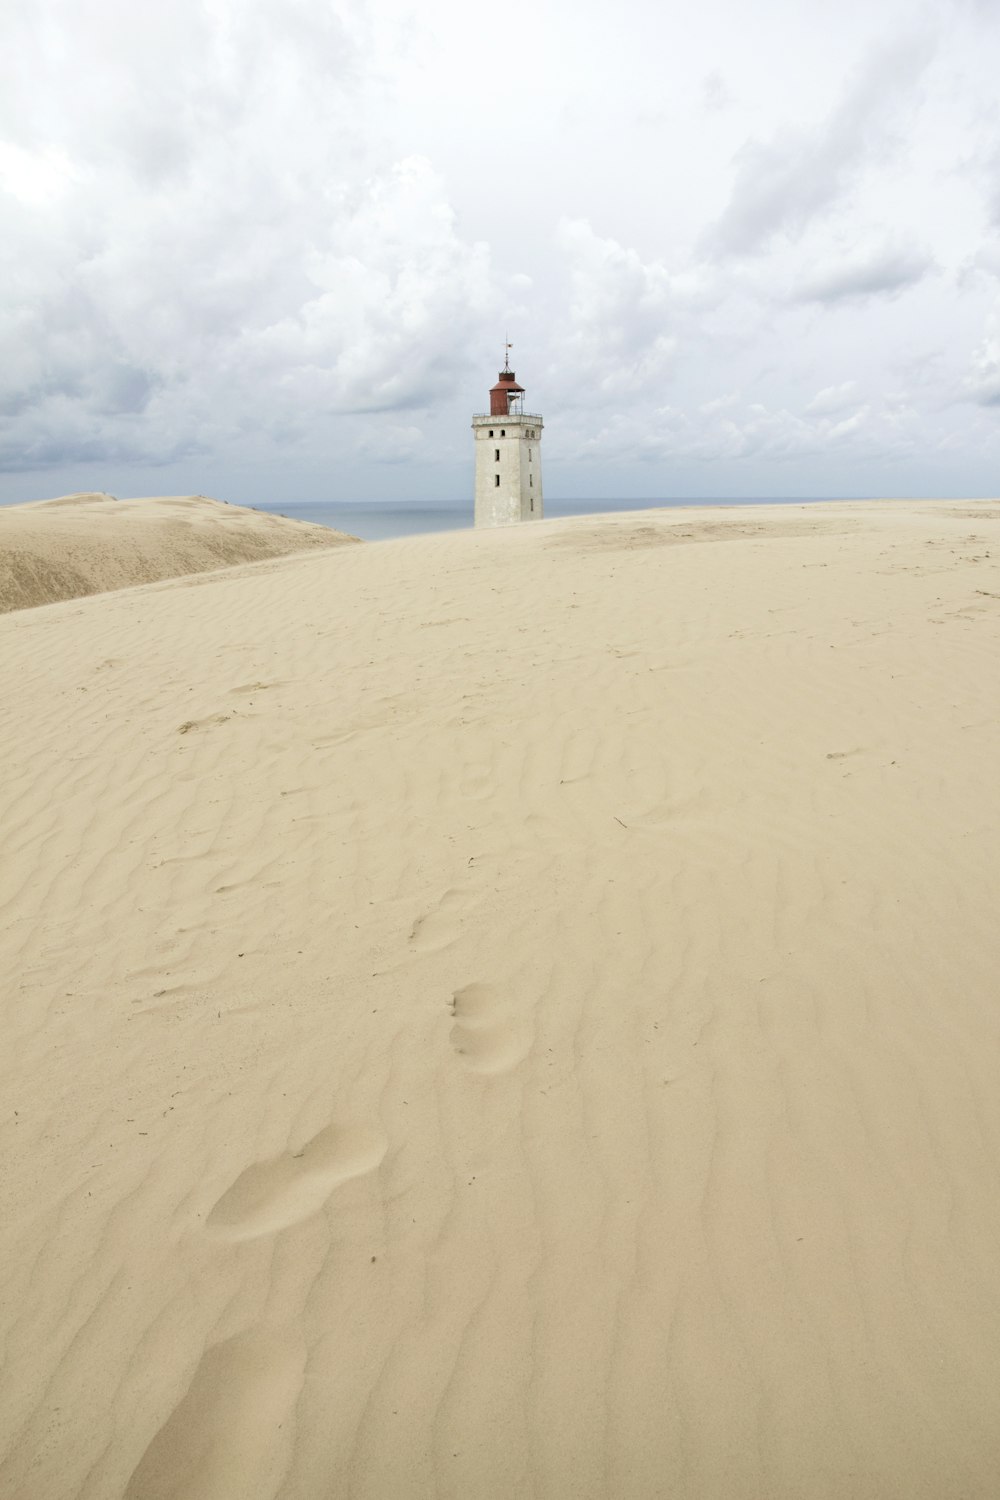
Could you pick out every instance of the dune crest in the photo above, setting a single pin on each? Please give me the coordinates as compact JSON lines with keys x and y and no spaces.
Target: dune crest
{"x":91,"y":543}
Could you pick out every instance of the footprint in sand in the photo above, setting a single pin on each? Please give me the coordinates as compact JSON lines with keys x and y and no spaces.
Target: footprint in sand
{"x":230,"y":1423}
{"x":485,"y":1038}
{"x":476,"y":782}
{"x":442,"y":925}
{"x":271,"y":1195}
{"x":190,"y":724}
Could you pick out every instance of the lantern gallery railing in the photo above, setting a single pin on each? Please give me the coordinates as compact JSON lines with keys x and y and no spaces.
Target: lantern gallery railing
{"x":520,"y":416}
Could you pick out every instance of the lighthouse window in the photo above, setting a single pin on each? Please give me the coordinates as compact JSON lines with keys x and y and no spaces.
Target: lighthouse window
{"x":496,"y":455}
{"x":496,"y":481}
{"x":529,"y":455}
{"x":503,"y":432}
{"x":491,"y":432}
{"x":531,"y":480}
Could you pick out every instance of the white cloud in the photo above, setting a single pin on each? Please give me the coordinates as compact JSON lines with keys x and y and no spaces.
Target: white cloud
{"x":982,"y":384}
{"x":619,"y":334}
{"x":833,"y":399}
{"x":39,"y":176}
{"x":390,"y":296}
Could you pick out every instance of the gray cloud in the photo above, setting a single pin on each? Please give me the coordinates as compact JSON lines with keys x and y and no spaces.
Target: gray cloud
{"x":982,"y":384}
{"x":715,"y":92}
{"x":781,"y":184}
{"x":882,"y":273}
{"x":220,"y":251}
{"x":53,"y":438}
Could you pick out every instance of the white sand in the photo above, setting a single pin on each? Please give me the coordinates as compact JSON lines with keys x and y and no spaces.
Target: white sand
{"x":510,"y":1014}
{"x":89,"y":543}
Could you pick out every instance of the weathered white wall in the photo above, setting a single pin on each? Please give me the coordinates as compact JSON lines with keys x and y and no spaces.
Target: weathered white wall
{"x":518,"y":497}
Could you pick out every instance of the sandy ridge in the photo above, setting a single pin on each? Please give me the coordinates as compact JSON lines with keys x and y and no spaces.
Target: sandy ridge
{"x":83,"y":544}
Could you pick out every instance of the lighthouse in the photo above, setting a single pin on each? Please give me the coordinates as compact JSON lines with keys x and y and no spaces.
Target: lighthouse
{"x":508,"y":456}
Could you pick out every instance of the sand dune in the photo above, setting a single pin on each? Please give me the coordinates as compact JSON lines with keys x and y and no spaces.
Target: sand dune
{"x":510,"y":1014}
{"x":90,"y":543}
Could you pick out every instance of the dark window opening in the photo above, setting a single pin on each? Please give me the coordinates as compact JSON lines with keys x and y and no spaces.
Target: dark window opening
{"x":503,"y":432}
{"x":491,"y":432}
{"x":496,"y":481}
{"x":532,"y":504}
{"x":496,"y":455}
{"x":531,"y":480}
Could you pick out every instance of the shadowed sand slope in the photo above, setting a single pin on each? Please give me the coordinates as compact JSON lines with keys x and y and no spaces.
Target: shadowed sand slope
{"x":510,"y":1014}
{"x":90,"y":543}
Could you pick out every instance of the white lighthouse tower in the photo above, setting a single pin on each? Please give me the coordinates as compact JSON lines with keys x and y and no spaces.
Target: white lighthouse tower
{"x":508,"y":457}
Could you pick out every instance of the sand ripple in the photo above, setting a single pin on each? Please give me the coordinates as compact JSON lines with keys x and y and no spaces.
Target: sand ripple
{"x":550,"y":1053}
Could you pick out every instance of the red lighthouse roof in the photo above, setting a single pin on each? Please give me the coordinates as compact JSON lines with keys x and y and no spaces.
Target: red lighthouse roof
{"x":502,"y":393}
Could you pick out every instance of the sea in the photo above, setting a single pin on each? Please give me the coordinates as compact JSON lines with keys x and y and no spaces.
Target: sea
{"x":378,"y":520}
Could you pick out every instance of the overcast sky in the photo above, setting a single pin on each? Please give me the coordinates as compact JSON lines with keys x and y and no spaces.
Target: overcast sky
{"x":269,"y":249}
